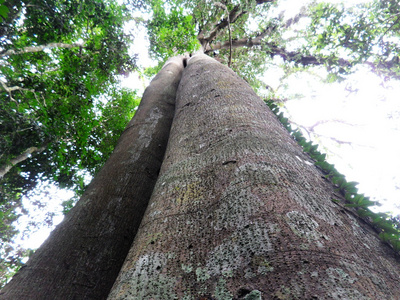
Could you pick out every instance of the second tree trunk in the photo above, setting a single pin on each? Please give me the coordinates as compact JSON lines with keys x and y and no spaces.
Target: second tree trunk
{"x":83,"y":255}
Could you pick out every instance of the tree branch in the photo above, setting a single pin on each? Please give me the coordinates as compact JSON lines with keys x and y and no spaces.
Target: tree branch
{"x":31,"y":49}
{"x":220,"y":26}
{"x":385,"y":68}
{"x":23,"y":156}
{"x":9,"y":90}
{"x":244,"y":42}
{"x":264,"y":1}
{"x":229,"y":27}
{"x":322,"y":122}
{"x":296,"y":18}
{"x":273,"y":50}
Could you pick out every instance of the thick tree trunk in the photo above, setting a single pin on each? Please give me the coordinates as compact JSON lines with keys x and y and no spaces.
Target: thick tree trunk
{"x":240,"y":212}
{"x":84,"y":254}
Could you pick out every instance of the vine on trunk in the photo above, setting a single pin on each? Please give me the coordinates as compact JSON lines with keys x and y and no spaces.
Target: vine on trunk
{"x":385,"y":225}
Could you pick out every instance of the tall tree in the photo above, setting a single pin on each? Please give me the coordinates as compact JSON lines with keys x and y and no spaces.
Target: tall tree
{"x":240,"y":212}
{"x":83,"y":255}
{"x":223,"y":29}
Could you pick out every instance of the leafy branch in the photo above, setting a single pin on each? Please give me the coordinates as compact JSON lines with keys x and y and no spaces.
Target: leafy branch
{"x":219,"y":27}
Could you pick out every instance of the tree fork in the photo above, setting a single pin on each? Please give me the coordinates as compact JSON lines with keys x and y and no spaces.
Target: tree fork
{"x":240,"y":212}
{"x":83,"y":255}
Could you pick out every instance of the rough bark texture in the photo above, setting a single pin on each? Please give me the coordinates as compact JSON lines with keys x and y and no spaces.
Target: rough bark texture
{"x":84,"y":254}
{"x":240,"y":212}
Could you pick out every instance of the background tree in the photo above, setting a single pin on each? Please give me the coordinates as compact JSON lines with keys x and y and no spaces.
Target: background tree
{"x":61,"y":108}
{"x":170,"y":33}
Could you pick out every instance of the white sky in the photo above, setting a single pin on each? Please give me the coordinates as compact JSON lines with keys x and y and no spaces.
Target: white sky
{"x":372,"y":159}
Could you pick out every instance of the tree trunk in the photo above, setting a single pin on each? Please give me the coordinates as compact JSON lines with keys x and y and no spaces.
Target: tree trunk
{"x":84,"y":254}
{"x":240,"y":212}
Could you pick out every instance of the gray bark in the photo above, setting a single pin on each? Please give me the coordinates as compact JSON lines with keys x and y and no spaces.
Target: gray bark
{"x":83,"y":255}
{"x":31,"y":49}
{"x":19,"y":158}
{"x":240,"y":212}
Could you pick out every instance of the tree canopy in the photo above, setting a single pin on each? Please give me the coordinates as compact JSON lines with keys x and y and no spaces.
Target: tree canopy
{"x":62,"y":108}
{"x":335,"y":36}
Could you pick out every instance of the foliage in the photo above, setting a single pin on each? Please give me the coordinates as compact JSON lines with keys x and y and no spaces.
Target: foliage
{"x":170,"y":33}
{"x":10,"y":261}
{"x":367,"y":33}
{"x":321,"y":34}
{"x":59,"y":68}
{"x":3,"y":10}
{"x":176,"y":28}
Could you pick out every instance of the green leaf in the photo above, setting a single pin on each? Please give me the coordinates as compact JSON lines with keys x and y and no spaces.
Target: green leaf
{"x":384,"y":224}
{"x":365,"y":212}
{"x":392,"y":238}
{"x":4,"y":11}
{"x":395,"y":242}
{"x":349,"y":197}
{"x":327,"y":167}
{"x":364,"y":203}
{"x":284,"y":120}
{"x":350,"y":187}
{"x":297,"y":134}
{"x":321,"y":157}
